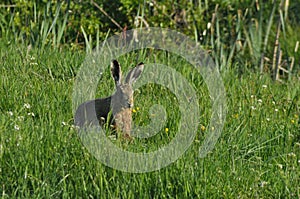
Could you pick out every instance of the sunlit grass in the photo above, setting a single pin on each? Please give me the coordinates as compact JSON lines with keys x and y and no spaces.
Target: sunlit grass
{"x":41,"y":155}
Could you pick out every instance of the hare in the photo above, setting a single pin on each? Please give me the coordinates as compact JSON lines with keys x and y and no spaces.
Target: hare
{"x":96,"y":111}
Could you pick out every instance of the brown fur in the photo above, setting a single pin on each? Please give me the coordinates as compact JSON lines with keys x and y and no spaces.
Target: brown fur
{"x":96,"y":111}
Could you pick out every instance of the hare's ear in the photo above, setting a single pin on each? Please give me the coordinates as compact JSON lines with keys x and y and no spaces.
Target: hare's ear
{"x":135,"y":73}
{"x":116,"y":72}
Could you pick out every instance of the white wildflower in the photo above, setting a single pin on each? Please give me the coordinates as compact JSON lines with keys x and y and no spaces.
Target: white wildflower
{"x":16,"y":127}
{"x":26,"y":105}
{"x":33,"y":63}
{"x":31,"y":114}
{"x":259,"y":101}
{"x":263,"y":183}
{"x":208,"y":25}
{"x":21,"y":118}
{"x":73,"y":126}
{"x":291,"y":154}
{"x":264,"y":86}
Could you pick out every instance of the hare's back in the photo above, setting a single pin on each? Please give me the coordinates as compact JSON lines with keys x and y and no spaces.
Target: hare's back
{"x":91,"y":112}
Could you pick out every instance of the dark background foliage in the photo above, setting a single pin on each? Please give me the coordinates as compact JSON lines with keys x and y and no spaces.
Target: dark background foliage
{"x":232,"y":30}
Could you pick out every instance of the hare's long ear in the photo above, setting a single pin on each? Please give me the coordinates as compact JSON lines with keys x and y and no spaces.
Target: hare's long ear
{"x":135,"y":73}
{"x":116,"y":72}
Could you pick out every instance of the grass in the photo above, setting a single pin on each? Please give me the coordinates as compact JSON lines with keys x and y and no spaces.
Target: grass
{"x":41,"y":156}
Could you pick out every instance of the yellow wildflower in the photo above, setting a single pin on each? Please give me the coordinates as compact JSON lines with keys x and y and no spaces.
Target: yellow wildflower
{"x":203,"y":128}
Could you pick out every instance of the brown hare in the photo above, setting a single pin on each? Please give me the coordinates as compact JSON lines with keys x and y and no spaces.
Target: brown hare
{"x":95,"y":112}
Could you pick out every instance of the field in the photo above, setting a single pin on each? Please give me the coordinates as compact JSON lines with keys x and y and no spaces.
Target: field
{"x":45,"y":44}
{"x":42,"y":156}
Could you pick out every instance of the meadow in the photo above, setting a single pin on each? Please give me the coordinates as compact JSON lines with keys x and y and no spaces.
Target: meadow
{"x":44,"y":44}
{"x":42,"y":156}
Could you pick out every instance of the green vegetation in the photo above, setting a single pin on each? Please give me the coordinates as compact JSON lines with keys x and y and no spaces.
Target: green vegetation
{"x":242,"y":33}
{"x":257,"y":155}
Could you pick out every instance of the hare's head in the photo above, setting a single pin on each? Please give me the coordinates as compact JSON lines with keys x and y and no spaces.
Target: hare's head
{"x":122,"y":100}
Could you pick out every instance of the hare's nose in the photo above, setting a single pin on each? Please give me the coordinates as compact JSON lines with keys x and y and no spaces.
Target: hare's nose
{"x":130,"y":105}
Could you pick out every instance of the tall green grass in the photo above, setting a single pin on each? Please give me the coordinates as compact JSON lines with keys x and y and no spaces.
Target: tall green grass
{"x":233,"y":32}
{"x":41,"y":155}
{"x":257,"y":155}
